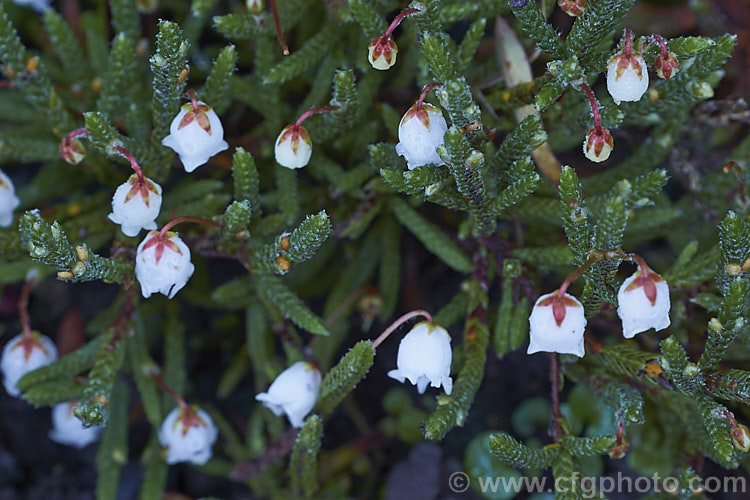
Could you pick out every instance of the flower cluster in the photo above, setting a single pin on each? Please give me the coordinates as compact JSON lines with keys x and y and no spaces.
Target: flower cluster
{"x":557,"y":321}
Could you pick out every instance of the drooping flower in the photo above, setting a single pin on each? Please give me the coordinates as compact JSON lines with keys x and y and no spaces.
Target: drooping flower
{"x":556,"y":324}
{"x":162,"y":264}
{"x":254,"y":6}
{"x":23,"y":354}
{"x":293,"y":392}
{"x":598,"y":145}
{"x":666,"y":67}
{"x":381,"y":53}
{"x":293,"y":147}
{"x":8,"y":200}
{"x":196,"y":134}
{"x":424,"y":357}
{"x":627,"y":74}
{"x":643,"y":303}
{"x":573,"y":8}
{"x":69,"y":430}
{"x":72,"y":151}
{"x":136,"y":205}
{"x":188,"y":436}
{"x":420,"y":133}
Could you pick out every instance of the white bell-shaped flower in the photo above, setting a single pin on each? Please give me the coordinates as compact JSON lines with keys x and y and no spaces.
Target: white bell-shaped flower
{"x":22,"y":355}
{"x":294,"y":392}
{"x":136,"y":205}
{"x":69,"y":430}
{"x":188,"y":437}
{"x":37,"y":5}
{"x":381,"y":53}
{"x":162,"y":264}
{"x":643,"y":303}
{"x":195,"y":135}
{"x":293,"y":147}
{"x":556,"y":324}
{"x":420,"y":133}
{"x":598,"y":144}
{"x":627,"y":77}
{"x":8,"y":200}
{"x":424,"y":357}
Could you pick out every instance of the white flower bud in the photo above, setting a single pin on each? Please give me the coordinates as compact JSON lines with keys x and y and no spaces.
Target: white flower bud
{"x":37,"y":5}
{"x":597,"y":146}
{"x":69,"y":430}
{"x":293,"y":147}
{"x":8,"y":200}
{"x":627,"y":77}
{"x":188,"y":437}
{"x":643,"y":303}
{"x":136,"y":205}
{"x":424,"y":357}
{"x":21,"y":356}
{"x":294,"y":392}
{"x":254,"y":6}
{"x":195,"y":136}
{"x":420,"y":133}
{"x":381,"y":53}
{"x":162,"y":265}
{"x":557,"y":325}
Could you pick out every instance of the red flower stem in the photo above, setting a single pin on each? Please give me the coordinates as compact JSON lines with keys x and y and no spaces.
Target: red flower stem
{"x":400,"y":321}
{"x":426,"y":90}
{"x":279,"y":33}
{"x":133,"y":162}
{"x":397,"y":20}
{"x":79,"y":132}
{"x":620,"y":432}
{"x":729,"y":416}
{"x":191,"y":93}
{"x":641,"y":263}
{"x":628,"y":42}
{"x":318,"y":109}
{"x":662,"y":45}
{"x":23,"y":308}
{"x":594,"y":106}
{"x":165,"y":388}
{"x":575,"y":274}
{"x":555,"y":429}
{"x":200,"y":220}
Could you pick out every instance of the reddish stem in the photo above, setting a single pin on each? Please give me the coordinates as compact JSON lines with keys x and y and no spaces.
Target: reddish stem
{"x":200,"y":220}
{"x":400,"y":321}
{"x":729,"y":416}
{"x":574,"y":275}
{"x":628,"y":42}
{"x":397,"y":20}
{"x":555,"y":430}
{"x":79,"y":132}
{"x":662,"y":45}
{"x":641,"y":263}
{"x":620,"y":432}
{"x":23,"y":308}
{"x":426,"y":90}
{"x":164,"y":387}
{"x":594,"y":106}
{"x":191,"y":94}
{"x":318,"y":109}
{"x":133,"y":163}
{"x":279,"y":33}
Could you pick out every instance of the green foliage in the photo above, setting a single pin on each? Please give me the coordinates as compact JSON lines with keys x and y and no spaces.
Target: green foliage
{"x":113,"y":449}
{"x":275,"y":292}
{"x":344,"y":377}
{"x":303,"y":462}
{"x":517,"y":454}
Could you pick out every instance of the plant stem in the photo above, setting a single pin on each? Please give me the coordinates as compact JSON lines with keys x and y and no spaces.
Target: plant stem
{"x":554,"y":429}
{"x":191,"y":94}
{"x":159,"y":380}
{"x":397,"y":20}
{"x":594,"y":106}
{"x":628,"y":42}
{"x":23,"y":308}
{"x":133,"y":163}
{"x":279,"y":33}
{"x":575,"y":274}
{"x":662,"y":45}
{"x":400,"y":321}
{"x":312,"y":111}
{"x":426,"y":90}
{"x":200,"y":220}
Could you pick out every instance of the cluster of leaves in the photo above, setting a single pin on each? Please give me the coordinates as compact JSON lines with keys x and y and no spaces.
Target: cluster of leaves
{"x":302,"y":256}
